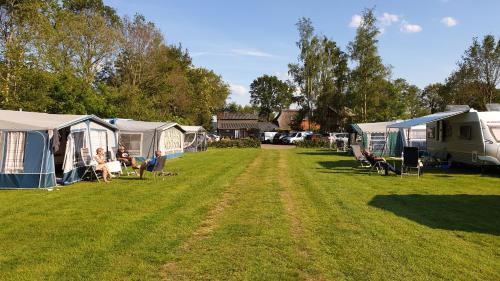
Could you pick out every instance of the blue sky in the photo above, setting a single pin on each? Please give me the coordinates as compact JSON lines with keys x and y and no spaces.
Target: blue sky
{"x":422,"y":39}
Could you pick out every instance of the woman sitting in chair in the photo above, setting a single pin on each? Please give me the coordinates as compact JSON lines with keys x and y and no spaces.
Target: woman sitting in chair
{"x":100,"y":158}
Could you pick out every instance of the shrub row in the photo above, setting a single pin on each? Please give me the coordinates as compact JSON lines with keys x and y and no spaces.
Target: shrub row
{"x":239,"y":143}
{"x":314,"y":144}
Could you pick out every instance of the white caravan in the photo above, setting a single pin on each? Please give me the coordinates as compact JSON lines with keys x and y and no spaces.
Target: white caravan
{"x":471,"y":138}
{"x":463,"y":136}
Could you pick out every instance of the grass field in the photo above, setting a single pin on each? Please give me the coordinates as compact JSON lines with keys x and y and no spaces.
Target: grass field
{"x":256,"y":215}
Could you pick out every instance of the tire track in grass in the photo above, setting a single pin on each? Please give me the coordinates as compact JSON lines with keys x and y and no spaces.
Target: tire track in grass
{"x":181,"y":195}
{"x":306,"y":270}
{"x":210,"y":223}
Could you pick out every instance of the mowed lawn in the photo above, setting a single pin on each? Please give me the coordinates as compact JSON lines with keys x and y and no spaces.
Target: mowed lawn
{"x":255,"y":214}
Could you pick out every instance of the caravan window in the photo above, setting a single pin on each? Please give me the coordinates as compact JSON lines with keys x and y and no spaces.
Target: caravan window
{"x":465,"y":132}
{"x":14,"y":152}
{"x":132,"y":143}
{"x":447,"y":129}
{"x":431,"y":132}
{"x":495,"y":131}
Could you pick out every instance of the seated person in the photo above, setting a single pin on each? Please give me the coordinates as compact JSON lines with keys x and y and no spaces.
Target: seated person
{"x":100,"y":158}
{"x":149,"y":164}
{"x":123,"y":156}
{"x":370,"y":157}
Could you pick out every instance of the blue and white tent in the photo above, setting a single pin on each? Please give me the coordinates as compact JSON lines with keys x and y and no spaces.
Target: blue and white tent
{"x":40,"y":150}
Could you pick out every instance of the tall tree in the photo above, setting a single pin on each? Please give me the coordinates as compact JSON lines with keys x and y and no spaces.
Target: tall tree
{"x":433,"y":97}
{"x":269,"y":94}
{"x":369,"y":73}
{"x":303,"y":71}
{"x":481,"y":66}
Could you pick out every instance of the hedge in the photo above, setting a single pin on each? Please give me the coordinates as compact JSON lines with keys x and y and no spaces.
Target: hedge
{"x":238,"y":143}
{"x":314,"y":144}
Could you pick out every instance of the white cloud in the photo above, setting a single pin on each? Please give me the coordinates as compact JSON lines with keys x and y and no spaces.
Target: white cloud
{"x":449,"y":21}
{"x":388,"y":19}
{"x":238,"y":90}
{"x":251,"y":53}
{"x":410,"y":28}
{"x":356,"y":21}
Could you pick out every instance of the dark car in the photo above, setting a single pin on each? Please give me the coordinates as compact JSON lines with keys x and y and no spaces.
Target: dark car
{"x":278,"y":138}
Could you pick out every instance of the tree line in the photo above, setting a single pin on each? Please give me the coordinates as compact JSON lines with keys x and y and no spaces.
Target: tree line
{"x":80,"y":57}
{"x":334,"y":87}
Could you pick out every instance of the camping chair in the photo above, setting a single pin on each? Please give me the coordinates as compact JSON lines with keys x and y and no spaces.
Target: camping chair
{"x":89,"y":164}
{"x":360,"y":158}
{"x":158,"y":168}
{"x":410,"y":161}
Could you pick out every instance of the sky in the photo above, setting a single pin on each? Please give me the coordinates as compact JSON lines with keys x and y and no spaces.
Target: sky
{"x":241,"y":40}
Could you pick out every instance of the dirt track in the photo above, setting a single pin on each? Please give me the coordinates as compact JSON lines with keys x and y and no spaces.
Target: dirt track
{"x":276,"y":146}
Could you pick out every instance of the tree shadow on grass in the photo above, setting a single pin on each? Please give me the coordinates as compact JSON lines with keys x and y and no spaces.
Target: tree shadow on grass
{"x":337,"y":164}
{"x":471,"y":213}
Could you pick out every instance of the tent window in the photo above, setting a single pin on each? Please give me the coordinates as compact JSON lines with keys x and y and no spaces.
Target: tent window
{"x":465,"y":132}
{"x":79,"y":139}
{"x":431,"y":132}
{"x":417,"y":134}
{"x":172,"y":139}
{"x":98,"y":139}
{"x":377,"y":142}
{"x":495,"y":131}
{"x":132,"y":143}
{"x":14,"y":154}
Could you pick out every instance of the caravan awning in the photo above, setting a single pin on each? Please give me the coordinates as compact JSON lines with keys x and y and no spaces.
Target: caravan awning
{"x":426,"y":119}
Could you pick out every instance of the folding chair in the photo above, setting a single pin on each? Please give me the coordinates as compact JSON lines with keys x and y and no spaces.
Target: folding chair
{"x":89,"y":163}
{"x":410,"y":161}
{"x":360,"y":158}
{"x":158,"y":169}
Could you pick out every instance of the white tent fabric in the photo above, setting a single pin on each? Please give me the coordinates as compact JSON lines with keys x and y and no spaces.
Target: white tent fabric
{"x":426,"y":119}
{"x":24,"y":120}
{"x":377,"y":127}
{"x":193,"y":129}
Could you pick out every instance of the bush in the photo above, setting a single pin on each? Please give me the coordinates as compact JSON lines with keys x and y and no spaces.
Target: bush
{"x":314,"y":144}
{"x":238,"y":143}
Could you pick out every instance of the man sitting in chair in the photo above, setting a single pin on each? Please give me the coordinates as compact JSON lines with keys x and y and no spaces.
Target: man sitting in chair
{"x":375,"y":160}
{"x":149,"y":164}
{"x":124,"y":157}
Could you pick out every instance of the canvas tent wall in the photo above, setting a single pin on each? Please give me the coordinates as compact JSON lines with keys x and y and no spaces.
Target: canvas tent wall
{"x":375,"y":137}
{"x":195,"y":138}
{"x":37,"y":149}
{"x":142,"y":138}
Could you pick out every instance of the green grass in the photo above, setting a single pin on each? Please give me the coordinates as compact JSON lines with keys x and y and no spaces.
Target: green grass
{"x":250,"y":214}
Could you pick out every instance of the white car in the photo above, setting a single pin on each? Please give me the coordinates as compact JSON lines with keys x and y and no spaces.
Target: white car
{"x":295,"y":137}
{"x":339,"y":136}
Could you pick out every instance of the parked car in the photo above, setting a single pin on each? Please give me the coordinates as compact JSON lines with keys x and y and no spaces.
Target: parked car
{"x":213,"y":137}
{"x":339,"y":137}
{"x":278,"y":138}
{"x":267,"y":137}
{"x":295,"y":137}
